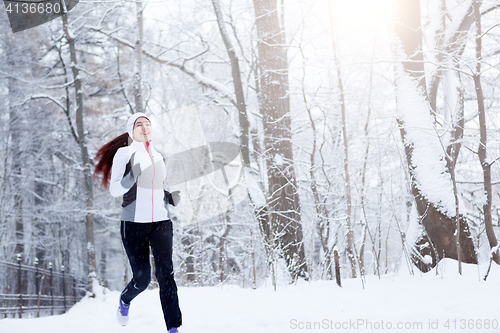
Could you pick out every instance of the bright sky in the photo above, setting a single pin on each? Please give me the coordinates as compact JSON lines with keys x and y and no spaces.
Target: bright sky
{"x":360,"y":15}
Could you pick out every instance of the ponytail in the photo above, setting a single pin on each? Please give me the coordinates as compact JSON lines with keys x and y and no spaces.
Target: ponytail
{"x":105,"y":156}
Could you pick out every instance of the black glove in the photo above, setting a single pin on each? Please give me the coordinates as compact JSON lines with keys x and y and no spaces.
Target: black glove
{"x":172,"y":198}
{"x":176,"y":197}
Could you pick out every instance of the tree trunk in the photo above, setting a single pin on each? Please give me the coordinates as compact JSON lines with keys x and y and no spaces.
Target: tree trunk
{"x":39,"y":205}
{"x":16,"y":170}
{"x":89,"y":195}
{"x":482,"y":150}
{"x":439,"y":224}
{"x":449,"y":47}
{"x":283,"y":198}
{"x":351,"y":246}
{"x":15,"y":151}
{"x":189,"y":242}
{"x":222,"y":246}
{"x":322,"y":213}
{"x":241,"y":107}
{"x":237,"y":83}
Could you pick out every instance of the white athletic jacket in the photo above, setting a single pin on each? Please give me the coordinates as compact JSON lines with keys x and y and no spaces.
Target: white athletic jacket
{"x":144,"y":200}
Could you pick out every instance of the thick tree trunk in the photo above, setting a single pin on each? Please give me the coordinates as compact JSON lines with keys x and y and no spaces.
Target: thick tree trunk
{"x":15,"y":151}
{"x":283,"y":198}
{"x":438,"y":240}
{"x":16,"y":170}
{"x":89,"y":193}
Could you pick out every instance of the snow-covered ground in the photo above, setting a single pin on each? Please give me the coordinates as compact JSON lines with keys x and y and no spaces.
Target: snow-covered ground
{"x":443,"y":302}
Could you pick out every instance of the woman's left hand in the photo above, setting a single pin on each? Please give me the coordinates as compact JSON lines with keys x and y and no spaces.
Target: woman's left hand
{"x":176,"y":197}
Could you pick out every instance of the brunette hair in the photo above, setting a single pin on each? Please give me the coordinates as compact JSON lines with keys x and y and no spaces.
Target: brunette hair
{"x":105,"y":156}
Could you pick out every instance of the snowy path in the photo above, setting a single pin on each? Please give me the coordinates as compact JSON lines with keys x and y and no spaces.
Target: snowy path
{"x":412,"y":301}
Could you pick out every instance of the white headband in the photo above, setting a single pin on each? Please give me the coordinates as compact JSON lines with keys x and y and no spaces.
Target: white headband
{"x":131,"y":122}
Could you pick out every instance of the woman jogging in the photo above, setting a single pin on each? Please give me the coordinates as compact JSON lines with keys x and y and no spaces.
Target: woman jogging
{"x":137,"y":172}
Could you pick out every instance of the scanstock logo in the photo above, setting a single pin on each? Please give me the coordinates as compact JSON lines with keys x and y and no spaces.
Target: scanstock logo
{"x":26,"y":14}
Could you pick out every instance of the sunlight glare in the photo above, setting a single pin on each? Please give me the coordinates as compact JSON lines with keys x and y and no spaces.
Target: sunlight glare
{"x":360,"y":15}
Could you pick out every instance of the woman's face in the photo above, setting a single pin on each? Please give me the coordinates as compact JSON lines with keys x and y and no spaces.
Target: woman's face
{"x":142,"y":130}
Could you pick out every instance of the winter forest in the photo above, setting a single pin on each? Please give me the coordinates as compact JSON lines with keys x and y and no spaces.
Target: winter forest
{"x":367,"y":131}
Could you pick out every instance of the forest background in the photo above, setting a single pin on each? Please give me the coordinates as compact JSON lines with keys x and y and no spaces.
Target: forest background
{"x":365,"y":127}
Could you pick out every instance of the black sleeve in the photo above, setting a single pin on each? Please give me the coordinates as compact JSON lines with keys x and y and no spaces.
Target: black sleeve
{"x":128,"y":177}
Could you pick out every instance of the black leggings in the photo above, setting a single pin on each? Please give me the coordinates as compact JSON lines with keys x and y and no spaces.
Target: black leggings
{"x":137,"y":238}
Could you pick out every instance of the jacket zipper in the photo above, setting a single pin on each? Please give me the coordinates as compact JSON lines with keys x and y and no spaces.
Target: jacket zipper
{"x":152,"y":187}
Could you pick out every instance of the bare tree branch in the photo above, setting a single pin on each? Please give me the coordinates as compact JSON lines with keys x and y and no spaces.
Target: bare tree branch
{"x":200,"y":78}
